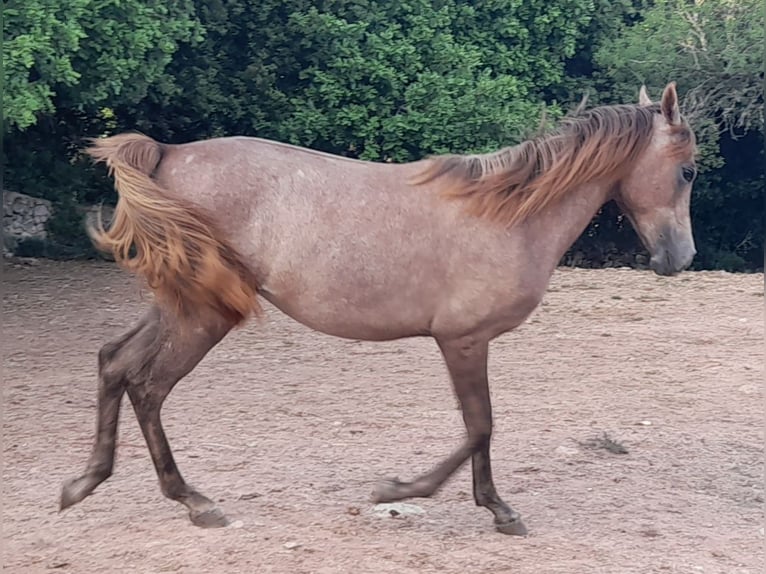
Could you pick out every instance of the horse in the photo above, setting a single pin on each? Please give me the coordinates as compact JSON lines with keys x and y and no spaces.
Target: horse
{"x":458,"y":248}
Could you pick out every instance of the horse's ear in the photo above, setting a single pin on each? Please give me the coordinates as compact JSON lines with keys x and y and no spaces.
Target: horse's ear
{"x":669,"y":105}
{"x":643,"y":97}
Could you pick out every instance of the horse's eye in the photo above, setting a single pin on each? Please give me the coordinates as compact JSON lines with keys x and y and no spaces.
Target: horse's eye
{"x":688,"y":173}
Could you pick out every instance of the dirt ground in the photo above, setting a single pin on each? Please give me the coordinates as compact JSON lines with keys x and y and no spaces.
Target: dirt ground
{"x":289,"y":430}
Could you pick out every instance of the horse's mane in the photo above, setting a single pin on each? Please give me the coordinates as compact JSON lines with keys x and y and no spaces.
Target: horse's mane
{"x":517,"y":182}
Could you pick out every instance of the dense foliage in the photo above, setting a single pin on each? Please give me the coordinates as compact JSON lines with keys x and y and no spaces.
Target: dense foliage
{"x":382,"y":80}
{"x":80,"y":54}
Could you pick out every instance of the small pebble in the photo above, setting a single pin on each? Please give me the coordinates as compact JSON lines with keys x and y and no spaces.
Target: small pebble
{"x":394,"y":509}
{"x":292,"y":545}
{"x":237,"y":524}
{"x":566,"y":450}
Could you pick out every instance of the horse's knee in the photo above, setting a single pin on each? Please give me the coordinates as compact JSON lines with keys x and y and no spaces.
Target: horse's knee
{"x":479,"y":438}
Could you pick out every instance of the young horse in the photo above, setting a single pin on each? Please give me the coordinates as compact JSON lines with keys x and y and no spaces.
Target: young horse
{"x":457,"y":248}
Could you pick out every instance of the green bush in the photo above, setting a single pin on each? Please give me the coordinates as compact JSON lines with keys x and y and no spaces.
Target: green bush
{"x":390,"y":80}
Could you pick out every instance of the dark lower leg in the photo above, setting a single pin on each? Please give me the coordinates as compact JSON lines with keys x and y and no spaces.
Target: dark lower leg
{"x":466,"y":362}
{"x":111,"y":388}
{"x":101,"y":460}
{"x":148,"y":362}
{"x":391,"y":490}
{"x":176,"y":351}
{"x":507,"y":520}
{"x":202,"y":511}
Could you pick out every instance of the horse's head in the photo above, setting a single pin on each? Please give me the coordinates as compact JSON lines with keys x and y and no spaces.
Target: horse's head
{"x":655,"y":193}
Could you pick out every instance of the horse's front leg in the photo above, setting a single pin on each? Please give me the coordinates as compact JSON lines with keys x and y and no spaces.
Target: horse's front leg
{"x":466,"y":360}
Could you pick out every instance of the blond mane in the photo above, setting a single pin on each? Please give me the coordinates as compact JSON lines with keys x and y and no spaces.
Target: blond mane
{"x":514,"y":183}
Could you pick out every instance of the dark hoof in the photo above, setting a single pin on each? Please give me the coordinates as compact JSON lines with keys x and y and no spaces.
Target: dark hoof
{"x":387,"y":490}
{"x":512,"y":528}
{"x":212,"y":518}
{"x":75,"y":490}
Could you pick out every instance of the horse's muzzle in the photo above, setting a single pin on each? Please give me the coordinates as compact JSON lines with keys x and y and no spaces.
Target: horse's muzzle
{"x":671,"y":257}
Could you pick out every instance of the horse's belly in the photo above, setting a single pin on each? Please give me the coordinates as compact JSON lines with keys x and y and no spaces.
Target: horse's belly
{"x":352,"y":319}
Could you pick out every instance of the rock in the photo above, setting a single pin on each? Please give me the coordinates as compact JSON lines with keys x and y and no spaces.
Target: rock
{"x":292,"y":545}
{"x":394,"y":509}
{"x":24,"y":217}
{"x":237,"y":524}
{"x":566,"y":450}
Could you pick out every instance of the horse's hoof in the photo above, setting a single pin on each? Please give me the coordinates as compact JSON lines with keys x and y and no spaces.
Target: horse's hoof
{"x":74,"y":491}
{"x":387,"y":490}
{"x":512,"y":527}
{"x":211,"y":518}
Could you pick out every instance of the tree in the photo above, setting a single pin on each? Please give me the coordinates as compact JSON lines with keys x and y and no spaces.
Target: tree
{"x":382,"y":80}
{"x":389,"y":80}
{"x":81,"y":54}
{"x":714,"y":50}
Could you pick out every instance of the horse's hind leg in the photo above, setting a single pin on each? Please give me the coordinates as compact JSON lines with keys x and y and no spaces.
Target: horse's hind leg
{"x":177,"y":350}
{"x":151,"y":364}
{"x":111,"y":388}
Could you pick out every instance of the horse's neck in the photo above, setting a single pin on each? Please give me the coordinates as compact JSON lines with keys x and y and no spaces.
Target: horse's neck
{"x":554,"y":230}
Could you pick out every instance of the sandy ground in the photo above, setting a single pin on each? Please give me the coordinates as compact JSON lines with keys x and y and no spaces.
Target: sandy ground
{"x":289,"y":430}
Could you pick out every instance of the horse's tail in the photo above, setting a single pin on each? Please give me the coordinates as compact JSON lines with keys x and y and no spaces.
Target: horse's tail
{"x":166,"y":239}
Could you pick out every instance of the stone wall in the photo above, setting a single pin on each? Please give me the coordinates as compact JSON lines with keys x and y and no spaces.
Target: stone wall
{"x":24,"y":217}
